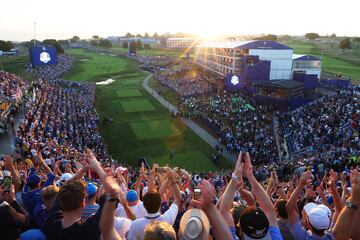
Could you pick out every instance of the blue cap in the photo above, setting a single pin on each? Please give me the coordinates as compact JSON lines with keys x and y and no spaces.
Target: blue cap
{"x":33,"y":180}
{"x":131,"y":196}
{"x":91,"y":189}
{"x":32,"y":234}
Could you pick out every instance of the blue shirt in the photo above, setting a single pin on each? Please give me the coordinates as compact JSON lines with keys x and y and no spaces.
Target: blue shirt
{"x":275,"y":233}
{"x":299,"y":233}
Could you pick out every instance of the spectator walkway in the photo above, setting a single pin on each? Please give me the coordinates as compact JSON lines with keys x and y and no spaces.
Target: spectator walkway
{"x":212,"y":141}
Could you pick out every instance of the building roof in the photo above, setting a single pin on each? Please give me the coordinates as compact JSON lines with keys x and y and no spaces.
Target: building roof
{"x":300,"y":57}
{"x":254,"y":44}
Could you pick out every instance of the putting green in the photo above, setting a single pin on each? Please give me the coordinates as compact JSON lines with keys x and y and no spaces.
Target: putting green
{"x":184,"y":159}
{"x":154,"y":129}
{"x":140,"y":105}
{"x":128,"y":93}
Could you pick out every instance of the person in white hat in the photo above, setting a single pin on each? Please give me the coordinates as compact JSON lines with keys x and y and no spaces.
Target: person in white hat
{"x":316,"y":217}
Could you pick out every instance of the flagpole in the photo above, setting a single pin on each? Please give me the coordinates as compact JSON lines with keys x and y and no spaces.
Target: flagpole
{"x":34,"y":33}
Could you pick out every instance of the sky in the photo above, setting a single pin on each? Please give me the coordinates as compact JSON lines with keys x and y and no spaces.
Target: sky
{"x":206,"y":18}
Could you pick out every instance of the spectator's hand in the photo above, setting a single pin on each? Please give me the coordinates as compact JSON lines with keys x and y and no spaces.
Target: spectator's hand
{"x":320,"y":191}
{"x":8,"y":162}
{"x":68,"y":168}
{"x":248,"y":168}
{"x":111,"y":186}
{"x":238,"y":172}
{"x":9,"y":196}
{"x":355,"y":185}
{"x":208,"y":194}
{"x":305,"y":178}
{"x":91,"y":159}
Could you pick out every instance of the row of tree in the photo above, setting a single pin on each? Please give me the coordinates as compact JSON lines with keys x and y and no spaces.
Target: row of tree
{"x":6,"y":46}
{"x":137,"y":44}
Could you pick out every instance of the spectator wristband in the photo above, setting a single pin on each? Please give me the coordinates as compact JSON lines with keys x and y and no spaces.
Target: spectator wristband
{"x":111,"y":198}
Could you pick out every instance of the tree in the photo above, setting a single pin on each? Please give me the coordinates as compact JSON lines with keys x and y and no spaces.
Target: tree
{"x":333,"y":35}
{"x":147,"y":46}
{"x":129,"y":35}
{"x":96,"y":37}
{"x":139,"y":45}
{"x":156,"y":36}
{"x":356,"y":40}
{"x":11,"y":44}
{"x":138,"y":35}
{"x":269,"y":37}
{"x":105,"y":43}
{"x":312,"y":36}
{"x":75,"y":39}
{"x":345,"y":44}
{"x":55,"y":44}
{"x":125,"y":45}
{"x":4,"y":46}
{"x":93,"y":42}
{"x":146,"y":35}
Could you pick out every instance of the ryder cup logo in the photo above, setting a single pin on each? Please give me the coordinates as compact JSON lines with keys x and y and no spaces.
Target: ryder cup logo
{"x":235,"y":80}
{"x":45,"y":57}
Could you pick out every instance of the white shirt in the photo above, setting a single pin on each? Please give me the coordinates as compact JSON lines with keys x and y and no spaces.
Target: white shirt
{"x":137,"y":229}
{"x":139,"y":210}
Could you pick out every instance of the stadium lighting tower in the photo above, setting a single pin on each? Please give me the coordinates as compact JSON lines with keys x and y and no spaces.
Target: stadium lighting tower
{"x":34,"y":33}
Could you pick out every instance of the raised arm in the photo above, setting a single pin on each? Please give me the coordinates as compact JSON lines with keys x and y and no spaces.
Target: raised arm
{"x":112,"y":190}
{"x":347,"y":215}
{"x":291,"y":206}
{"x":9,"y":165}
{"x":260,"y":194}
{"x":227,"y":199}
{"x":42,"y":162}
{"x":218,"y":224}
{"x":174,"y":186}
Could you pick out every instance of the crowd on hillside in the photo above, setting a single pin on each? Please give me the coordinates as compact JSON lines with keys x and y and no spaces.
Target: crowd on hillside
{"x":53,"y":72}
{"x":239,"y":123}
{"x":187,"y":80}
{"x":12,"y":91}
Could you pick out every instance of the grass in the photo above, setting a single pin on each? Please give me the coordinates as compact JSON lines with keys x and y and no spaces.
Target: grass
{"x":142,"y":132}
{"x":154,"y":129}
{"x":334,"y":60}
{"x":137,"y":105}
{"x":167,"y":93}
{"x":16,"y":65}
{"x":128,"y":93}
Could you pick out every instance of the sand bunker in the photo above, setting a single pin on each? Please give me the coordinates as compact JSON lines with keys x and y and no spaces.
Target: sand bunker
{"x":106,"y":82}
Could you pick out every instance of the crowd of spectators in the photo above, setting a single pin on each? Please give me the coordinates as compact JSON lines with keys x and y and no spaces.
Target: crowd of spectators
{"x":12,"y":92}
{"x":239,"y":123}
{"x":53,"y":72}
{"x":187,"y":80}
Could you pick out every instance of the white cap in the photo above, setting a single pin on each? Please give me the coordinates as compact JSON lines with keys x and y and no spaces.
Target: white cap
{"x":6,"y":173}
{"x":65,"y":177}
{"x":318,"y":216}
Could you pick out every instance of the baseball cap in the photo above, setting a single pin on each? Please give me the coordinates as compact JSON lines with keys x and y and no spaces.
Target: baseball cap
{"x":91,"y":189}
{"x":33,"y":234}
{"x":319,"y":216}
{"x":132,"y":196}
{"x":6,"y":173}
{"x":33,"y":180}
{"x":65,"y":177}
{"x":254,"y":224}
{"x":194,"y":224}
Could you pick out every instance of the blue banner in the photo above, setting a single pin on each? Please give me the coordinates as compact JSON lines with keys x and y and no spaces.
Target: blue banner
{"x":234,"y":82}
{"x":42,"y":55}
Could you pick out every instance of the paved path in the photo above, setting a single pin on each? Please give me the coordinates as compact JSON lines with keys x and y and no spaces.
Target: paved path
{"x":212,"y":141}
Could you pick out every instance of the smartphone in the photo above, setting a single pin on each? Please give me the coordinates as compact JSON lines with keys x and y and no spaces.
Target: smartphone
{"x":6,"y":183}
{"x":197,"y":193}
